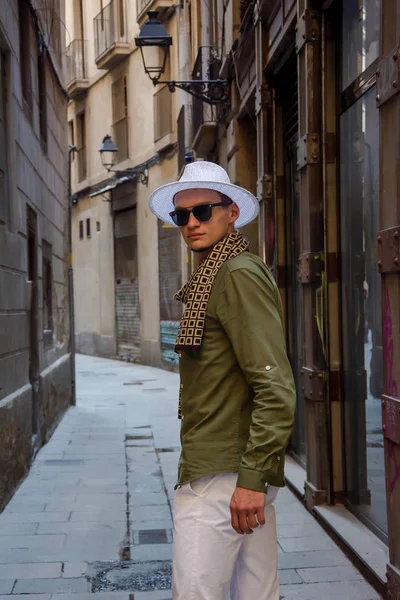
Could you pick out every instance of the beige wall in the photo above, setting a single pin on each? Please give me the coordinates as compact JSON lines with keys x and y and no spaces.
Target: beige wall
{"x":94,"y":278}
{"x":93,"y":260}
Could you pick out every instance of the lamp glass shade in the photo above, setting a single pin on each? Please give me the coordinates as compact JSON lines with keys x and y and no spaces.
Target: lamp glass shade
{"x":108,"y":152}
{"x":152,"y":36}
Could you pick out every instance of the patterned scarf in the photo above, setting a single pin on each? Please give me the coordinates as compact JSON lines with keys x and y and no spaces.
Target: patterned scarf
{"x":196,"y":292}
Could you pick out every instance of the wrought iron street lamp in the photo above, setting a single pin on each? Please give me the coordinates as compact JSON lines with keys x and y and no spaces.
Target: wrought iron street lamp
{"x":154,"y":35}
{"x":108,"y":153}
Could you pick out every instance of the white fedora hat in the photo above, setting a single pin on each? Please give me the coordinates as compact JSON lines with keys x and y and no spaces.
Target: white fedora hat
{"x":204,"y":175}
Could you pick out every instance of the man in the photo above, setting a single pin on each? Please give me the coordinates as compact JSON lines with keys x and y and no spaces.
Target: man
{"x":237,"y":396}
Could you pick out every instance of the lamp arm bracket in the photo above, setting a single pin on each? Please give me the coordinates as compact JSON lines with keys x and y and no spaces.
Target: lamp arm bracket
{"x":211,"y":91}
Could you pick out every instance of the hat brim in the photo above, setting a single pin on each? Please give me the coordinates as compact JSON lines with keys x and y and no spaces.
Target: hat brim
{"x":161,"y":201}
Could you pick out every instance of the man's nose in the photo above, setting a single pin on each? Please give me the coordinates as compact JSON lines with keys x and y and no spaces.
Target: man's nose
{"x":193,"y":222}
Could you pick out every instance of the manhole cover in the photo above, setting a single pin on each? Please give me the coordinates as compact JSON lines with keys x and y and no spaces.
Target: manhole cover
{"x":153,"y":536}
{"x":135,"y":577}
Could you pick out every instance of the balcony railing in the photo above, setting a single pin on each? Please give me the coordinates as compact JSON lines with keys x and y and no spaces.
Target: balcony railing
{"x":162,"y":113}
{"x":110,"y":37}
{"x":76,"y":61}
{"x":82,"y":172}
{"x":207,"y":66}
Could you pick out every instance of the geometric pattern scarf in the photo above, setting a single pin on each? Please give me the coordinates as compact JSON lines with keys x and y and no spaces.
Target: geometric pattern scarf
{"x":196,"y":293}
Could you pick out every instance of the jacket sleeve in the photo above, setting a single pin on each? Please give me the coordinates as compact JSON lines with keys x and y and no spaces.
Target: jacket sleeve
{"x":250,"y":312}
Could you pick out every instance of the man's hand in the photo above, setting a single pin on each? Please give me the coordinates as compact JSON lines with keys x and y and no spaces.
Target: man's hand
{"x":245,"y":506}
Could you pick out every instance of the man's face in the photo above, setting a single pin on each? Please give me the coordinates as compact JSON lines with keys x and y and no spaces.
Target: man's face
{"x":201,"y":235}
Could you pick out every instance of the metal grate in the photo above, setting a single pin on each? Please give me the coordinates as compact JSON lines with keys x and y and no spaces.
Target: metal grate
{"x":75,"y":60}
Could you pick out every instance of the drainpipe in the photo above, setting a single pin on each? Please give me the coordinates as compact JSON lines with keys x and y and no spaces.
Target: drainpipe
{"x":72,"y":149}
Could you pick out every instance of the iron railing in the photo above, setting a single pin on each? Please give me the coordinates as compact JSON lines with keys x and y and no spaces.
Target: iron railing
{"x":76,"y":61}
{"x":162,"y":113}
{"x":206,"y":67}
{"x":109,"y":28}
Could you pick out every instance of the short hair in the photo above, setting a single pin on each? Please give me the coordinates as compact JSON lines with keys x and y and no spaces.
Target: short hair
{"x":225,"y":198}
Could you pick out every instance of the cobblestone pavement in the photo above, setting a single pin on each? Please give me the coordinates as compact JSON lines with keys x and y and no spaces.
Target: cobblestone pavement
{"x":94,"y":513}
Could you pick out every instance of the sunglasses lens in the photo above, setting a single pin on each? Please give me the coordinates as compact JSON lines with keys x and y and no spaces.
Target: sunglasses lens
{"x":180,"y":217}
{"x":202,"y":212}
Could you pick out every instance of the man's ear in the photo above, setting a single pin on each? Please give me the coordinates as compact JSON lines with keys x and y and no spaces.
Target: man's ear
{"x":235,"y":212}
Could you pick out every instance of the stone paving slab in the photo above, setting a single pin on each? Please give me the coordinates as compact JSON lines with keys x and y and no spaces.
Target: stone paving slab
{"x":51,"y":586}
{"x":30,"y":571}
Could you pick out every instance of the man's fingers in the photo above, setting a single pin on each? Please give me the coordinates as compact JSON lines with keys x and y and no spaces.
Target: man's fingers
{"x":261,"y":516}
{"x":235,"y":521}
{"x":243,"y":524}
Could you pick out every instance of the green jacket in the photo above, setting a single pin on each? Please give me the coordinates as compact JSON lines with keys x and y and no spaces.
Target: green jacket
{"x":238,"y":393}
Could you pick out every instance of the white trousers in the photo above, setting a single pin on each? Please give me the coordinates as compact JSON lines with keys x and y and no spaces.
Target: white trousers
{"x":210,"y":558}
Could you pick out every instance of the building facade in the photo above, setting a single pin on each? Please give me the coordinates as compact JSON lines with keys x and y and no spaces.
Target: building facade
{"x":127,"y":266}
{"x":312,"y":129}
{"x":36,"y":380}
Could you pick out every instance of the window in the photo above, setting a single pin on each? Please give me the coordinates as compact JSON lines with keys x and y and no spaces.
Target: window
{"x":362,"y":353}
{"x":81,"y":145}
{"x":88,"y":234}
{"x":47,"y":284}
{"x":98,"y":225}
{"x":360,"y":37}
{"x":120,"y":117}
{"x":42,"y":98}
{"x":25,"y":25}
{"x":81,"y":230}
{"x":4,"y":200}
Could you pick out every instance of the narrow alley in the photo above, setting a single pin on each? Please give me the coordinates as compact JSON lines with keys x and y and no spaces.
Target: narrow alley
{"x":94,"y":513}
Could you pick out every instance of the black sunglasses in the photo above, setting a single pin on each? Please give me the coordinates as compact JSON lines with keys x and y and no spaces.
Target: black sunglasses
{"x":201,"y":212}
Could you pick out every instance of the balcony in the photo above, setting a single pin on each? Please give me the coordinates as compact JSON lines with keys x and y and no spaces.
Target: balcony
{"x":163,"y":127}
{"x":205,"y":117}
{"x":110,"y":39}
{"x":77,"y":82}
{"x":142,"y":6}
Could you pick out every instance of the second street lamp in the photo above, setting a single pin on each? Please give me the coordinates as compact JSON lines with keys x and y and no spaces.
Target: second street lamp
{"x":108,"y":153}
{"x":154,"y":35}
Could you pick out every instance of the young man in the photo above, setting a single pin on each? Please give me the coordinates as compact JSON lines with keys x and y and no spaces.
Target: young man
{"x":237,"y":396}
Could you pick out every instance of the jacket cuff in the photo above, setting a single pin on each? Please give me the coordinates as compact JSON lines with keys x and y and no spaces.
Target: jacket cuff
{"x":257,"y":480}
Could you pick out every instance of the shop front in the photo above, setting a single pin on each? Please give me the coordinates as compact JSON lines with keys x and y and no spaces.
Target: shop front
{"x":323,"y":137}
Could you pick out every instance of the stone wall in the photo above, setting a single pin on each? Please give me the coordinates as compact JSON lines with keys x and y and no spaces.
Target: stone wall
{"x":35,"y":372}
